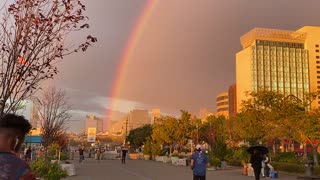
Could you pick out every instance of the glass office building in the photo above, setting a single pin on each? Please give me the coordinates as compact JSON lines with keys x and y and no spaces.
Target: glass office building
{"x":278,"y":60}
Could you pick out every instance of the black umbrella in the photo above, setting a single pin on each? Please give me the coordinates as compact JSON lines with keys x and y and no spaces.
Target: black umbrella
{"x":260,"y":148}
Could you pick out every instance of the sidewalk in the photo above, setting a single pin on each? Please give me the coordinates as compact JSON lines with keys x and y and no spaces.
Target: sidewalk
{"x":91,"y":169}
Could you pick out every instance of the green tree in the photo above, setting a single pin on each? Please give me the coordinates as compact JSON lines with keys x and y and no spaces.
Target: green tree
{"x":310,"y":131}
{"x":214,"y":132}
{"x":183,"y":129}
{"x":138,"y":136}
{"x":164,"y":129}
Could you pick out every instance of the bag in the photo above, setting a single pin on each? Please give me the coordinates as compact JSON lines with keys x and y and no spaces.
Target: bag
{"x":274,"y":174}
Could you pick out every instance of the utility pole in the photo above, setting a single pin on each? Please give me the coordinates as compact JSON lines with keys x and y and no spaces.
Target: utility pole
{"x":126,"y":132}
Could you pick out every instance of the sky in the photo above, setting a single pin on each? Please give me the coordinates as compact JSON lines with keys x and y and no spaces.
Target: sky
{"x":184,"y":55}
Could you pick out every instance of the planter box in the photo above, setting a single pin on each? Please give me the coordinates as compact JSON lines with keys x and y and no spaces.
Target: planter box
{"x":146,"y":157}
{"x":178,"y":161}
{"x":109,"y":155}
{"x":163,"y":159}
{"x":134,"y":156}
{"x":71,"y":170}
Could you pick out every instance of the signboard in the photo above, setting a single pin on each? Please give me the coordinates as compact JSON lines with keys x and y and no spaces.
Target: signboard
{"x":33,"y":139}
{"x":92,"y":134}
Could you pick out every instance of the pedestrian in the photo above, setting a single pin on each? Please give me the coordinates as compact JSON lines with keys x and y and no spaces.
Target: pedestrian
{"x":199,"y":164}
{"x":124,"y":151}
{"x":256,"y":161}
{"x":267,"y":168}
{"x":81,"y":154}
{"x":28,"y":154}
{"x":13,"y":129}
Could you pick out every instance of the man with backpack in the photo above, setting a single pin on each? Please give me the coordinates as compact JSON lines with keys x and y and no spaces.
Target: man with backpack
{"x":199,"y":164}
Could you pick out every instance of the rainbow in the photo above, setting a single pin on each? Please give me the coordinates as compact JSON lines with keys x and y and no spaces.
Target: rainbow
{"x":127,"y":53}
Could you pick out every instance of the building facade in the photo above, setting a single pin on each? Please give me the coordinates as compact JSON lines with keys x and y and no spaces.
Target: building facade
{"x":155,"y":113}
{"x":223,"y":104}
{"x":138,"y":118}
{"x":93,"y":122}
{"x":232,"y":95}
{"x":283,"y":61}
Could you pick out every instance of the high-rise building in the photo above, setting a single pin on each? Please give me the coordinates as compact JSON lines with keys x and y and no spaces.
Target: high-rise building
{"x":312,"y":43}
{"x":223,"y":104}
{"x":155,"y":113}
{"x":93,"y":122}
{"x":34,"y":117}
{"x":279,"y":60}
{"x":232,"y":93}
{"x":137,"y":118}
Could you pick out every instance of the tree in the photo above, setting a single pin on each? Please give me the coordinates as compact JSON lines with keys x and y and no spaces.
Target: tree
{"x":54,"y":111}
{"x":183,"y":130}
{"x":214,"y":131}
{"x":310,"y":131}
{"x":138,"y":136}
{"x":33,"y":38}
{"x":163,"y":131}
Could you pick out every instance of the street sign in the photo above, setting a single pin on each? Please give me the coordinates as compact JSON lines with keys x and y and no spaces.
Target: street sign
{"x":92,"y":134}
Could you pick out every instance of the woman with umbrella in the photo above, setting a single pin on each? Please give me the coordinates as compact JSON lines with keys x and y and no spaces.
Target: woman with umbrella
{"x":256,"y":159}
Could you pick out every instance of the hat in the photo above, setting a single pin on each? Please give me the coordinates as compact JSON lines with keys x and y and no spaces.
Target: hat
{"x":198,"y":147}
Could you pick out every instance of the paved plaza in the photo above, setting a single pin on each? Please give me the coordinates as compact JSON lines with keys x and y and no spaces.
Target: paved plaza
{"x":91,"y":169}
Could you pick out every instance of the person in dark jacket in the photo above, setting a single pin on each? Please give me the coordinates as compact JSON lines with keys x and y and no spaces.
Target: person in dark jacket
{"x":13,"y":129}
{"x":124,"y":153}
{"x":256,"y":161}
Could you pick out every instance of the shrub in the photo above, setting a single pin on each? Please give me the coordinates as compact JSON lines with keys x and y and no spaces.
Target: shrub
{"x":237,"y":156}
{"x":64,"y":156}
{"x":47,"y":170}
{"x":287,"y":157}
{"x":288,"y":167}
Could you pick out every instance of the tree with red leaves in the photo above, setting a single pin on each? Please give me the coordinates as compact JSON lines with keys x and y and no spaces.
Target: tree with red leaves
{"x":33,"y":38}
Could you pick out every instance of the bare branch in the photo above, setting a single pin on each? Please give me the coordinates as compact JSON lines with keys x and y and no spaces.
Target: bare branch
{"x":33,"y":38}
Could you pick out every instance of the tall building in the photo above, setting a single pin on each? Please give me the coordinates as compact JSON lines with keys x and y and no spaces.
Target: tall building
{"x":223,"y":104}
{"x":93,"y":122}
{"x":279,"y":60}
{"x":155,"y":113}
{"x":138,"y":118}
{"x":34,"y":117}
{"x":312,"y":43}
{"x":232,"y":93}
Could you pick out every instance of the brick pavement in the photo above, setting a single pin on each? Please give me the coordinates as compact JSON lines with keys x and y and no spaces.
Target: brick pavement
{"x":92,"y":169}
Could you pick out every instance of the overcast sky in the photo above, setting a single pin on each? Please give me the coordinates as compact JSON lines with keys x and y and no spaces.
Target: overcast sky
{"x":183,"y":59}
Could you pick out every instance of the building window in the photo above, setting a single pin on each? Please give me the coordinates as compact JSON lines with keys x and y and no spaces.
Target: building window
{"x":318,"y":57}
{"x":317,"y":62}
{"x":318,"y":72}
{"x":317,"y":50}
{"x":318,"y":67}
{"x":318,"y":77}
{"x":317,"y":45}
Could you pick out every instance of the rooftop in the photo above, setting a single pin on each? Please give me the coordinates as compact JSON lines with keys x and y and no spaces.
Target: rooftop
{"x":271,"y":35}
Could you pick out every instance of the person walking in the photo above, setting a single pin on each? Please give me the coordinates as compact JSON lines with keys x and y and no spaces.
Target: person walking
{"x":267,"y":168}
{"x":13,"y":129}
{"x":256,"y":161}
{"x":81,"y":154}
{"x":124,"y":151}
{"x":199,"y":164}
